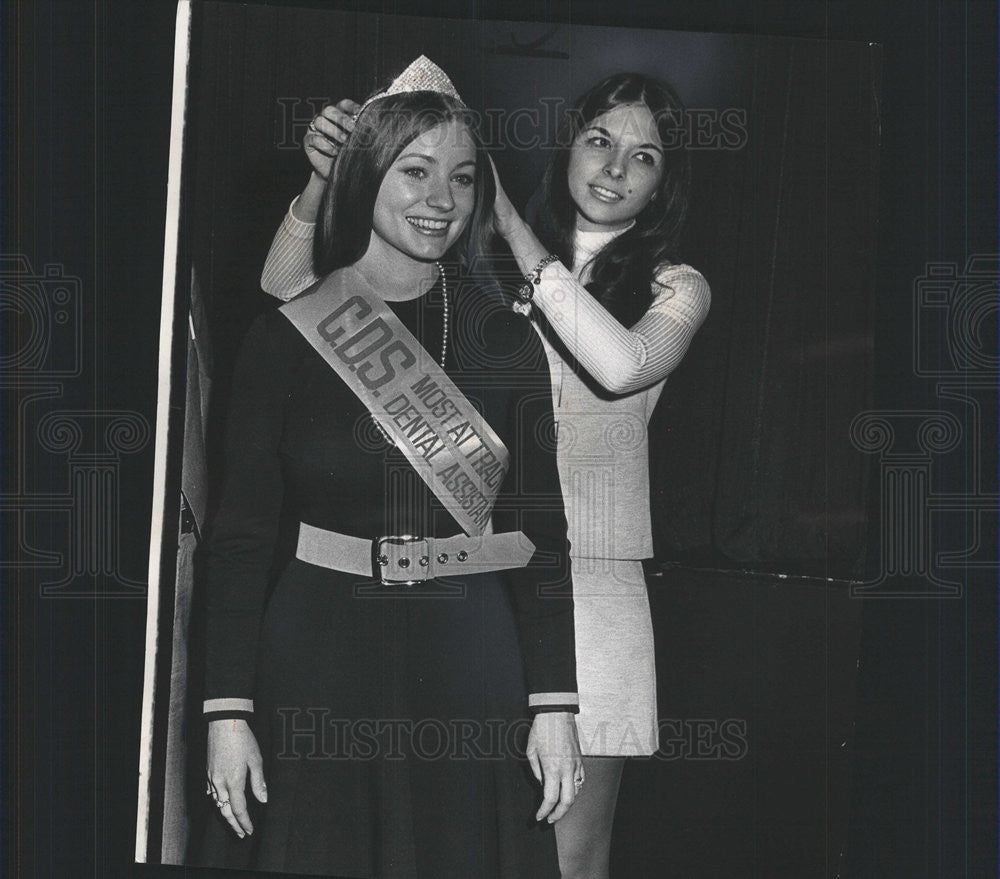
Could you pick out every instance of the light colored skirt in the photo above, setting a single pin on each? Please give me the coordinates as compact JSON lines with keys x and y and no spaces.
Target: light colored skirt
{"x":615,"y":663}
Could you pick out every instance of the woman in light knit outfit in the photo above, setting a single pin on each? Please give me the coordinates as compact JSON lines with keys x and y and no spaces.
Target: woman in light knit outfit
{"x":616,"y":313}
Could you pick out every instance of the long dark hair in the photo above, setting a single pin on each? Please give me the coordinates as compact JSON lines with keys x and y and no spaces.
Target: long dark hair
{"x":621,"y":274}
{"x":387,"y":125}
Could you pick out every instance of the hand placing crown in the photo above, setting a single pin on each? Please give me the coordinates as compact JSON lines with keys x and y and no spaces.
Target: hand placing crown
{"x":422,"y":75}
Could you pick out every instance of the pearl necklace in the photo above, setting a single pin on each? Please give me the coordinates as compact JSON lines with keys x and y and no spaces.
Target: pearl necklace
{"x":444,"y":294}
{"x":444,"y":347}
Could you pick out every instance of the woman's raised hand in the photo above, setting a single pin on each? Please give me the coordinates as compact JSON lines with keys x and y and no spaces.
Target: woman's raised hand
{"x":327,"y":134}
{"x":554,"y":755}
{"x":232,"y":751}
{"x":505,"y":216}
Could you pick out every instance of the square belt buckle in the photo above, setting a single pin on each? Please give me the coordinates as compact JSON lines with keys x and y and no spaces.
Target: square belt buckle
{"x":383,"y":554}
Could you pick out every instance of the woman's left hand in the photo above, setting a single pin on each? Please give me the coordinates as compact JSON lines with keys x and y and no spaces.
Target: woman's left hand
{"x":505,"y":216}
{"x":554,"y":754}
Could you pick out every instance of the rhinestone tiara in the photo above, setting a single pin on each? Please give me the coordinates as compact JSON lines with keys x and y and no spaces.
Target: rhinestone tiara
{"x":422,"y":75}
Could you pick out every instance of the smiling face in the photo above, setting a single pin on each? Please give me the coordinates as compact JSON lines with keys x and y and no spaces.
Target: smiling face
{"x":427,"y":196}
{"x":615,"y":167}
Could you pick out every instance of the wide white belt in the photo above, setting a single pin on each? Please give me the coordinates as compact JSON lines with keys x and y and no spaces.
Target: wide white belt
{"x":406,"y":560}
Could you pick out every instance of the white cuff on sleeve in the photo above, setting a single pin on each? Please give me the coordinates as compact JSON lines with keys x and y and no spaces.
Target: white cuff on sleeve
{"x":538,"y":700}
{"x":294,"y":226}
{"x":212,"y":705}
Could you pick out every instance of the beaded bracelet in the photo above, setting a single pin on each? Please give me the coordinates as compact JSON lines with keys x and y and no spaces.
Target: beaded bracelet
{"x":526,"y":291}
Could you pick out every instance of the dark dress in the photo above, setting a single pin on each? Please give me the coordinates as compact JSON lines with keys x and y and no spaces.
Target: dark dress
{"x":390,"y":720}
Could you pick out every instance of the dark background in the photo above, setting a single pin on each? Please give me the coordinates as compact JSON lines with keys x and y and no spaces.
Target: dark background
{"x":86,"y":104}
{"x":782,"y":223}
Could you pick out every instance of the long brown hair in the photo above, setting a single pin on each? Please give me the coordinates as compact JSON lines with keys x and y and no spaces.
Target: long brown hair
{"x":622,"y":273}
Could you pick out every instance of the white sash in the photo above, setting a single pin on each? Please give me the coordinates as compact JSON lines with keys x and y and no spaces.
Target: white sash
{"x":447,"y":441}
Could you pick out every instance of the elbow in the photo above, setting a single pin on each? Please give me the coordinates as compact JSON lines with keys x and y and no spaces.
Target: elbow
{"x":616,"y":378}
{"x":617,"y":385}
{"x":621,"y":382}
{"x":270,"y":285}
{"x":623,"y":372}
{"x":628,"y":381}
{"x":269,"y":282}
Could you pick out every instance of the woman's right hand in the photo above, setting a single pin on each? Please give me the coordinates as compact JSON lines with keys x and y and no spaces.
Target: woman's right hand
{"x":232,"y":751}
{"x":553,"y":753}
{"x":506,"y":219}
{"x":328,"y":133}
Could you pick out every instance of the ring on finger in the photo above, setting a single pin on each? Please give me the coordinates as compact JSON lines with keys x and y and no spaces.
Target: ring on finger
{"x":312,"y":125}
{"x":222,"y":803}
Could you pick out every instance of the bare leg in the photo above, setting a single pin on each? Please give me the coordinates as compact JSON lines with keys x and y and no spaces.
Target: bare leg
{"x":583,"y":835}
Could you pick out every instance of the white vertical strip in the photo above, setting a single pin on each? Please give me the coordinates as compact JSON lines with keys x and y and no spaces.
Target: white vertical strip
{"x":182,"y":49}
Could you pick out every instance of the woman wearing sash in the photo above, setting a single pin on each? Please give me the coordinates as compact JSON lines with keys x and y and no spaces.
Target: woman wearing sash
{"x":617,"y":313}
{"x":377,"y":699}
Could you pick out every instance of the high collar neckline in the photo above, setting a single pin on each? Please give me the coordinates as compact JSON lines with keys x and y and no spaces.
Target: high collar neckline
{"x":584,"y":239}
